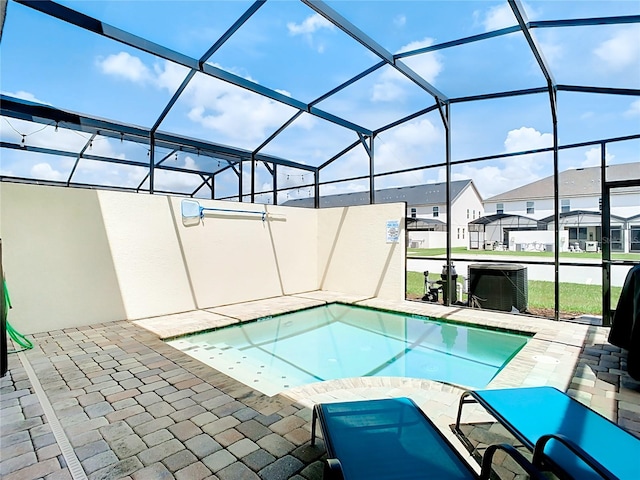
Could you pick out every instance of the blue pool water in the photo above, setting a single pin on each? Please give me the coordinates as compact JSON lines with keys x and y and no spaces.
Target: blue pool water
{"x":343,"y":341}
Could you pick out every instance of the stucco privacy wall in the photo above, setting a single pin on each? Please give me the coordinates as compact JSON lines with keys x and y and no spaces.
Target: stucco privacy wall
{"x":235,"y":257}
{"x":354,"y":255}
{"x":56,"y":257}
{"x":74,"y":257}
{"x":145,"y":248}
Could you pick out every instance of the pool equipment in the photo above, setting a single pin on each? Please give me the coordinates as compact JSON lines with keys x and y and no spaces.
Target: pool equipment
{"x":498,"y":286}
{"x":193,"y":209}
{"x":433,"y":287}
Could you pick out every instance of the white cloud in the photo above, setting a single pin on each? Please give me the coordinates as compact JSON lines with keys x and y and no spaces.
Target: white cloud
{"x":241,"y":117}
{"x":392,"y":85}
{"x":513,"y":172}
{"x":310,"y":25}
{"x":622,"y":50}
{"x":526,"y":138}
{"x":406,"y":146}
{"x":400,"y":20}
{"x":427,"y":65}
{"x":25,"y":96}
{"x":634,"y":109}
{"x":592,"y":158}
{"x":553,"y":52}
{"x":169,"y":76}
{"x":46,"y":172}
{"x":500,"y":16}
{"x":125,"y":66}
{"x":237,"y":115}
{"x":389,"y":86}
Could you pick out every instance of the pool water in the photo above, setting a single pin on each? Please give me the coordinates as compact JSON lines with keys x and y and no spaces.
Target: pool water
{"x":343,"y":341}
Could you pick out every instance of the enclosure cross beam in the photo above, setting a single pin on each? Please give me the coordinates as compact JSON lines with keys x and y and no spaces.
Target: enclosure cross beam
{"x":354,"y":32}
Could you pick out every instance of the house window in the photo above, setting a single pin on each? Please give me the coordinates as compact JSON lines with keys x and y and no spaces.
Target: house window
{"x":565,"y":205}
{"x":530,"y":207}
{"x":463,"y":233}
{"x":413,"y":213}
{"x":458,"y":233}
{"x":616,"y":240}
{"x":467,"y":214}
{"x":577,"y":233}
{"x":600,"y":204}
{"x":474,"y":214}
{"x":500,"y":208}
{"x":634,"y":234}
{"x":436,"y":211}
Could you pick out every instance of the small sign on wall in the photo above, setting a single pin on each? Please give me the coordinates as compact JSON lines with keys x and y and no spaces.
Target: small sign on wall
{"x":393,"y":231}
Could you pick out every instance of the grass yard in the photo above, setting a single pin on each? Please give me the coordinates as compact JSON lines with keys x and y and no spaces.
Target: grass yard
{"x":575,"y":299}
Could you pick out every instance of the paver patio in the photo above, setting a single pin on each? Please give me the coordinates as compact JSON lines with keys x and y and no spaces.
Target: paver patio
{"x":113,"y":401}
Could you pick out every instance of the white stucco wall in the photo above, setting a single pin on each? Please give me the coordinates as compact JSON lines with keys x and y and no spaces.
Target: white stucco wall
{"x":56,"y":258}
{"x":75,"y":257}
{"x":353,"y":253}
{"x":428,"y":239}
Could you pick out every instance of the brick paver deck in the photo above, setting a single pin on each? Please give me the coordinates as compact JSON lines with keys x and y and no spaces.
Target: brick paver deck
{"x":129,"y":406}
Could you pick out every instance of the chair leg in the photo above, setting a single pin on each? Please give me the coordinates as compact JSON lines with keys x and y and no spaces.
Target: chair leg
{"x":314,"y":417}
{"x":463,"y":400}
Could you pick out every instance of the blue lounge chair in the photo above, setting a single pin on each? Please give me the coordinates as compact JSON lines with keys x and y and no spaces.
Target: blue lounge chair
{"x":570,"y":438}
{"x":393,"y":439}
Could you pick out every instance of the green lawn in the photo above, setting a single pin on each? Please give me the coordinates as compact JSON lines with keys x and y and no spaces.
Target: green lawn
{"x":574,"y":298}
{"x":463,"y":251}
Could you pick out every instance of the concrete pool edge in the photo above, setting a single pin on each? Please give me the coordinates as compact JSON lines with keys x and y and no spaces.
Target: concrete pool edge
{"x":549,"y":357}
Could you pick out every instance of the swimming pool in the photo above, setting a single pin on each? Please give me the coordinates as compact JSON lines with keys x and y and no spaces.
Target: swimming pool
{"x":343,"y":341}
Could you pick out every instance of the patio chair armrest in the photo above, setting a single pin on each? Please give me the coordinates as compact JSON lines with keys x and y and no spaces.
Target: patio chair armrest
{"x":526,"y":465}
{"x":332,"y":469}
{"x":539,"y":455}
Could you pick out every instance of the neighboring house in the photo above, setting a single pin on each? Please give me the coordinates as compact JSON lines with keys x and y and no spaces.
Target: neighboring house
{"x":427,"y":213}
{"x":580,"y":198}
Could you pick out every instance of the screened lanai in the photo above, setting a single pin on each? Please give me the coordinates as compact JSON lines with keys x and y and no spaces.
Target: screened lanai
{"x":267,"y":102}
{"x":176,"y":168}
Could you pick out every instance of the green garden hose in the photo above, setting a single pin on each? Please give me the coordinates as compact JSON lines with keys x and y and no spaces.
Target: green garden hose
{"x":17,"y":337}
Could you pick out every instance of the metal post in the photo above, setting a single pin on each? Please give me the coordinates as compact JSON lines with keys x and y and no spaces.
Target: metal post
{"x":253,"y":178}
{"x":447,"y":127}
{"x":605,"y":215}
{"x":152,"y":164}
{"x":275,"y":183}
{"x":316,"y":189}
{"x":4,"y":359}
{"x":240,"y":186}
{"x":372,"y":191}
{"x":556,"y":200}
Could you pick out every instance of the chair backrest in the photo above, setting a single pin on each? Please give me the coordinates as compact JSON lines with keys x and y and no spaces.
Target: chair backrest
{"x":388,"y":439}
{"x":532,"y":412}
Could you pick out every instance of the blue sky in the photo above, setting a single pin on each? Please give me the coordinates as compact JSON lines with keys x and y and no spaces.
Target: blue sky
{"x":287,"y":47}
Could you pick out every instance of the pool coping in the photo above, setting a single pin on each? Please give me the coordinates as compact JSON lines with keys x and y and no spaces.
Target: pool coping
{"x":549,"y":357}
